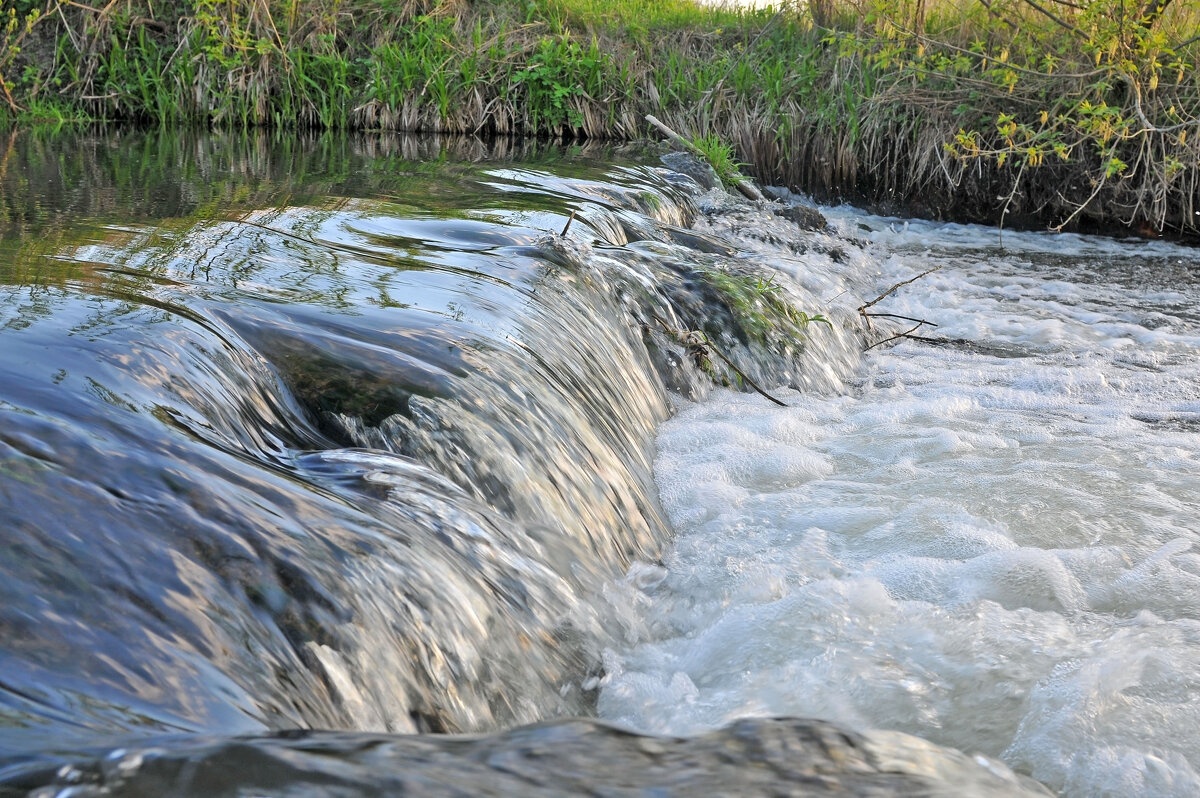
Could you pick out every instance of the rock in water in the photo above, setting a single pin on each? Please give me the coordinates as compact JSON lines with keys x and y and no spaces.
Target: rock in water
{"x":759,"y":757}
{"x":805,"y":217}
{"x":687,"y":164}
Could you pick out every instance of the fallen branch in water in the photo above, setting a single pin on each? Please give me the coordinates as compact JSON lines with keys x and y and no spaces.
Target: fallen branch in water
{"x":698,"y":343}
{"x":905,"y":334}
{"x":898,"y":316}
{"x":567,"y":226}
{"x":937,"y":341}
{"x":892,"y":290}
{"x":862,"y":310}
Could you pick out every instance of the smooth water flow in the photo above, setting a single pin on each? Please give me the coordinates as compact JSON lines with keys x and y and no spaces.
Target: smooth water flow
{"x":988,"y":541}
{"x":348,"y":434}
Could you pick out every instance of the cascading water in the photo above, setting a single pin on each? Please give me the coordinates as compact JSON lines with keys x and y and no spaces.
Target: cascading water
{"x":352,"y":437}
{"x":191,"y":544}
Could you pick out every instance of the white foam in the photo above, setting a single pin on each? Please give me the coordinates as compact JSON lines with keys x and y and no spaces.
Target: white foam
{"x":990,"y":544}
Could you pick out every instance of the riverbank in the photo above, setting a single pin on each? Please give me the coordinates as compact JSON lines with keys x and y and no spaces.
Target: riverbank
{"x":1045,"y":115}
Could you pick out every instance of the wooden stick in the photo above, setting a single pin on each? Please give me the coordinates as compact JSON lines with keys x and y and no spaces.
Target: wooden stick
{"x":898,"y":316}
{"x":904,"y":334}
{"x":741,"y":373}
{"x":892,"y":290}
{"x":674,"y":137}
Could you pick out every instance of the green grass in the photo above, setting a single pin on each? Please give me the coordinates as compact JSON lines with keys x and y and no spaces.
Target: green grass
{"x":721,"y":157}
{"x":938,"y":107}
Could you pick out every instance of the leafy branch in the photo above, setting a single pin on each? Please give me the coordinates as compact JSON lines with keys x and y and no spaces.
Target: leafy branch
{"x":1108,"y":86}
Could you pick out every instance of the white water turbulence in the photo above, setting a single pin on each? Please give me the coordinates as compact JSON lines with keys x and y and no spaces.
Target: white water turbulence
{"x":989,"y":542}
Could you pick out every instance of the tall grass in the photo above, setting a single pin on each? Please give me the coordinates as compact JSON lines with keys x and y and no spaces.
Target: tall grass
{"x":1079,"y":113}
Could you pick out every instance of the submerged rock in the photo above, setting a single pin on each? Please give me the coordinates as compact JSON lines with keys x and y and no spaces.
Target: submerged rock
{"x":571,"y":757}
{"x":795,"y":208}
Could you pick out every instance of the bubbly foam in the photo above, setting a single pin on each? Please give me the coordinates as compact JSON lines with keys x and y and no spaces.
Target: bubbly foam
{"x":988,"y":542}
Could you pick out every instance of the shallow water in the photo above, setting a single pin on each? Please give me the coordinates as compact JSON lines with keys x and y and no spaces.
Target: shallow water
{"x":988,"y":541}
{"x":344,"y":433}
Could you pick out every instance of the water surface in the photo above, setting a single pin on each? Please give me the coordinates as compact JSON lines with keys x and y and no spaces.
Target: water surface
{"x":987,"y":538}
{"x":343,"y":433}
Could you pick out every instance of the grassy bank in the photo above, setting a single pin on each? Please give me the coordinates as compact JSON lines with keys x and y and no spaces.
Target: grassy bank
{"x":1041,"y":112}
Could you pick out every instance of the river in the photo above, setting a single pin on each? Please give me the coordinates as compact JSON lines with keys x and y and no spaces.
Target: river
{"x":407,"y":437}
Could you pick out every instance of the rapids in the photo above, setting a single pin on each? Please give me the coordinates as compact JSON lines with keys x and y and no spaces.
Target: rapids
{"x":348,"y":434}
{"x":987,"y":540}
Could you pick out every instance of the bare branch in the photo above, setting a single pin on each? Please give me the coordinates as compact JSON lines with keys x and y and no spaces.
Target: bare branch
{"x":892,"y":290}
{"x":1057,"y":20}
{"x":904,"y":334}
{"x":898,"y":316}
{"x":1147,"y":125}
{"x":1007,"y":202}
{"x":1058,"y":228}
{"x":698,"y":338}
{"x":740,"y":373}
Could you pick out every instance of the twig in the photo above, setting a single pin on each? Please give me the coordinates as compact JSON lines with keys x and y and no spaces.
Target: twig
{"x":1065,"y":25}
{"x":892,"y":290}
{"x":1084,"y":204}
{"x":70,"y":33}
{"x":567,"y":226}
{"x":740,"y":373}
{"x":700,"y":339}
{"x":1147,"y":125}
{"x":1007,"y":202}
{"x":937,"y":341}
{"x":862,"y":310}
{"x":898,"y":316}
{"x":278,"y":39}
{"x":8,"y":96}
{"x":904,"y":334}
{"x":674,"y":137}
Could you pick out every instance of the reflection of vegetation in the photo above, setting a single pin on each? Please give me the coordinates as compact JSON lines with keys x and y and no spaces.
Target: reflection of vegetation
{"x":21,"y":305}
{"x":62,"y":191}
{"x":23,"y":469}
{"x":108,"y":395}
{"x":228,"y":231}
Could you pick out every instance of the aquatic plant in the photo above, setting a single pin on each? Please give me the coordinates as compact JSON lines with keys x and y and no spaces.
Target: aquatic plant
{"x":757,"y":303}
